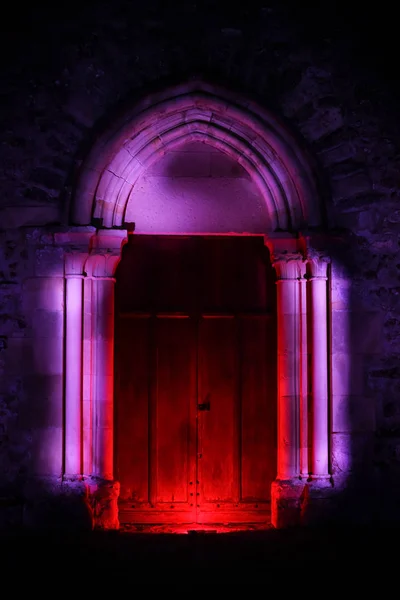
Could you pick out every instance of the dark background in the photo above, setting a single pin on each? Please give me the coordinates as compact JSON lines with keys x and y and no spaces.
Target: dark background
{"x":33,"y":35}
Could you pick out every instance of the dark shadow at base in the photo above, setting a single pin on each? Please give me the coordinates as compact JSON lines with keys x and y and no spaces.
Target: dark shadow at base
{"x":224,"y":558}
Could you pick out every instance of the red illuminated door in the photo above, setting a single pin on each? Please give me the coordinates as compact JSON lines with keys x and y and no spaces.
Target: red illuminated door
{"x":195,"y":432}
{"x":195,"y":389}
{"x":235,"y":460}
{"x":156,"y":419}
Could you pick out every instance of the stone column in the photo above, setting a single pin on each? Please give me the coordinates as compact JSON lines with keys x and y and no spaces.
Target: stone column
{"x":87,"y":361}
{"x":287,"y":268}
{"x":102,"y":490}
{"x":73,"y":363}
{"x":103,"y":377}
{"x":98,"y":416}
{"x":286,"y":489}
{"x":304,"y":390}
{"x":319,"y":366}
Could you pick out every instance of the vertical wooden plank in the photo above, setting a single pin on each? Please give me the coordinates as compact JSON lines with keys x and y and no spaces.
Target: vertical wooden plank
{"x":134,"y":288}
{"x":217,"y":466}
{"x":152,"y":414}
{"x":243,"y":274}
{"x":132,"y":397}
{"x":171,"y":284}
{"x":258,"y":392}
{"x":175,"y":429}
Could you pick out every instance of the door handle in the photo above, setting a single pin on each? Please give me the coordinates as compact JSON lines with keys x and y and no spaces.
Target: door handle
{"x":205,"y":405}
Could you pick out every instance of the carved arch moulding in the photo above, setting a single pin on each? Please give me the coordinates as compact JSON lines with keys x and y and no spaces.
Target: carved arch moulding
{"x":284,"y":175}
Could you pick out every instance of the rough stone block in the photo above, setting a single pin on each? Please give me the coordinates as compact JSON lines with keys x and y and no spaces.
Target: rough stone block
{"x":322,"y":123}
{"x":351,"y":185}
{"x":49,"y":262}
{"x":353,"y":413}
{"x":337,"y":154}
{"x":340,"y":294}
{"x":19,"y":355}
{"x":348,"y":374}
{"x":46,"y":293}
{"x":341,"y":332}
{"x":351,"y":452}
{"x":357,"y":331}
{"x":103,"y":499}
{"x":15,"y":326}
{"x":48,"y":323}
{"x":340,"y":269}
{"x":43,"y":401}
{"x":314,"y":82}
{"x":318,"y":503}
{"x":286,"y":503}
{"x":10,"y":297}
{"x":56,"y":505}
{"x":46,"y":451}
{"x":48,"y":355}
{"x":14,"y":216}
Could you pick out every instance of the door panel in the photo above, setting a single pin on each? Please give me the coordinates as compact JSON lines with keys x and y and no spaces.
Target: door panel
{"x":217,"y":458}
{"x":156,"y":419}
{"x":132,"y":408}
{"x":177,"y":463}
{"x":175,"y":434}
{"x":257,"y":408}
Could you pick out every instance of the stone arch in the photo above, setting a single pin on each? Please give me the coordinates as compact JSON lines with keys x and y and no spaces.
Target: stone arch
{"x":284,"y":175}
{"x":198,"y":111}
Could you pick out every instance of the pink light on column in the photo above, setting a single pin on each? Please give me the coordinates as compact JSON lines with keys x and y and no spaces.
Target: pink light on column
{"x":104,"y":377}
{"x":88,"y":361}
{"x":304,"y":399}
{"x":287,"y":267}
{"x":100,"y":268}
{"x":73,"y":358}
{"x":319,"y":370}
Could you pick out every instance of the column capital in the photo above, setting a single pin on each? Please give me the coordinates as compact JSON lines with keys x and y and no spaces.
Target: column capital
{"x":318,"y":264}
{"x":288,"y":265}
{"x":74,"y":263}
{"x":109,"y":240}
{"x":105,"y":253}
{"x":102,"y":264}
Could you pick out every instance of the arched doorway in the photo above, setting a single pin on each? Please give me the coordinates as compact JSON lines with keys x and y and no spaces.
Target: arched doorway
{"x":106,"y":191}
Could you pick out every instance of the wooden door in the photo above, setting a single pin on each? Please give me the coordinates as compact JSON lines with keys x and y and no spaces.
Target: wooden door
{"x":196,"y":389}
{"x":236,"y":418}
{"x":156,"y":422}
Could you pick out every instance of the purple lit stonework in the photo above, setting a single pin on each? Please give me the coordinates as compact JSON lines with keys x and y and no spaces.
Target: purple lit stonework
{"x":199,"y":287}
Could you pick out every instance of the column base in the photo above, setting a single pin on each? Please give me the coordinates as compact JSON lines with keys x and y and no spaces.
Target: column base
{"x":296,"y":502}
{"x":70,"y":504}
{"x":286,"y":502}
{"x":102,"y":500}
{"x":318,"y":504}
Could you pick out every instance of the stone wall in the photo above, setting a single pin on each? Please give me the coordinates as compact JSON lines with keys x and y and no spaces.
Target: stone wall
{"x":62,"y":81}
{"x":31,"y":361}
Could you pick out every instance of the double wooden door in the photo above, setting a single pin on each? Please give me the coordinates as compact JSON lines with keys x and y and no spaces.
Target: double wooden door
{"x":195,"y":415}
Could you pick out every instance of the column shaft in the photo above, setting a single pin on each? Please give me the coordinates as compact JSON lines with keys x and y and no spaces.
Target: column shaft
{"x":103,"y":377}
{"x":288,"y":304}
{"x":73,"y":383}
{"x":319,"y":378}
{"x":304,"y":402}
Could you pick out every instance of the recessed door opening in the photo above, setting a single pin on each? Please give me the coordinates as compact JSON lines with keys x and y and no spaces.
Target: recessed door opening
{"x":195,"y":383}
